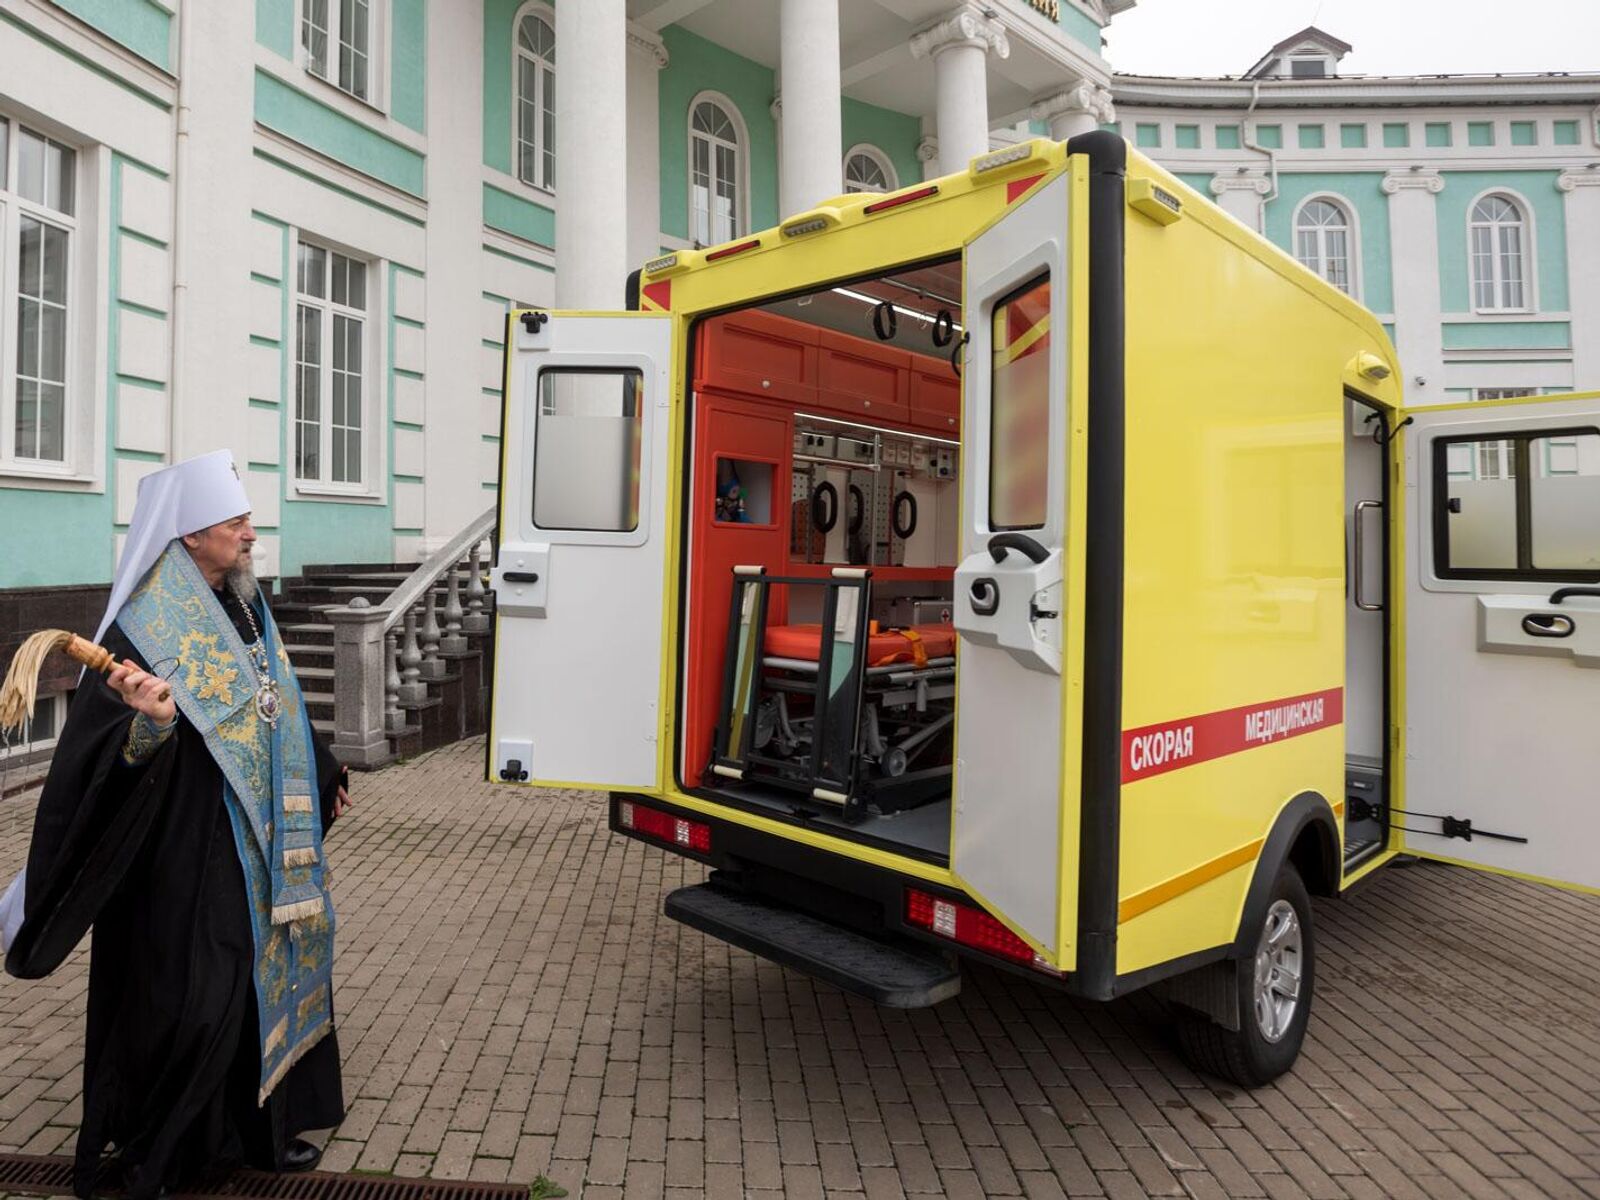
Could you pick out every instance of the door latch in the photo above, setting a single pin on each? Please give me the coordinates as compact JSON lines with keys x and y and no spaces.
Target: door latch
{"x":512,"y":772}
{"x":1456,"y":827}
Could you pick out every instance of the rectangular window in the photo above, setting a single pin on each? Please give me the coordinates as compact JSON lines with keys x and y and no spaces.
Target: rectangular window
{"x":336,"y":39}
{"x":1019,"y":409}
{"x":1312,"y":137}
{"x":588,"y":446}
{"x":330,"y":367}
{"x":1396,"y":135}
{"x":1228,"y":137}
{"x":1518,"y":506}
{"x":1353,"y":137}
{"x":1524,"y":133}
{"x":1186,"y":137}
{"x":1565,"y":133}
{"x":49,"y":714}
{"x":38,"y":184}
{"x":1437,"y":133}
{"x":1308,"y":68}
{"x":1480,"y":133}
{"x":1147,"y":135}
{"x":1270,"y":136}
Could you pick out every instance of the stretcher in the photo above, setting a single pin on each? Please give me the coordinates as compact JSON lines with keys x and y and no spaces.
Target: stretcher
{"x":853,"y":716}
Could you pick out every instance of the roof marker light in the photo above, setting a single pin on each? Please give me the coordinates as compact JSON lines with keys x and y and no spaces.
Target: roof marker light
{"x":665,"y":262}
{"x":1002,"y":158}
{"x":921,"y":193}
{"x":738,"y":248}
{"x":803,"y":227}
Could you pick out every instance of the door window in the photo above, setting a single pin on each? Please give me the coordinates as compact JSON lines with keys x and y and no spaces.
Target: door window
{"x":1518,"y":506}
{"x":587,"y":444}
{"x":1019,"y":409}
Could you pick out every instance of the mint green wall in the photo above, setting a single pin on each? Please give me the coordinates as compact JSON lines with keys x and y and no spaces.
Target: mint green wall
{"x":1507,"y":335}
{"x":314,"y":124}
{"x":698,"y":65}
{"x":896,"y":134}
{"x":1080,"y":26}
{"x":498,"y":49}
{"x":275,"y":26}
{"x":1537,"y":189}
{"x":409,"y":63}
{"x":1200,"y":181}
{"x":316,"y":531}
{"x":518,"y":216}
{"x":140,"y":25}
{"x":1363,"y":192}
{"x":53,"y":539}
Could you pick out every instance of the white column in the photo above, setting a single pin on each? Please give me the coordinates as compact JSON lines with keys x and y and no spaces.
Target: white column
{"x":450,"y":340}
{"x":959,"y":46}
{"x":1080,"y":109}
{"x":1582,"y":190}
{"x":928,"y":156}
{"x":1414,"y":234}
{"x":646,"y":56}
{"x":1242,"y":195}
{"x":591,"y":143}
{"x":811,"y":165}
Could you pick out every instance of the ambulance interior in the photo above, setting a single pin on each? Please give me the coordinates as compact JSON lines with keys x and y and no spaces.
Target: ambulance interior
{"x":822,"y":504}
{"x":1366,"y":632}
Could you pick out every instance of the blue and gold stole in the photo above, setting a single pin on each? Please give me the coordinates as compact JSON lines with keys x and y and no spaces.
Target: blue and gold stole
{"x":269,"y":788}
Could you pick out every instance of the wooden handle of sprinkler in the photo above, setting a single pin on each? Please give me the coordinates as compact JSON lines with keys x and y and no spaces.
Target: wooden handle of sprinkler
{"x":98,"y":658}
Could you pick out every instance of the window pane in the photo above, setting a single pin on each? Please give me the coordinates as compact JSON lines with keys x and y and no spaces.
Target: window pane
{"x":588,"y":441}
{"x":30,"y":166}
{"x":1019,"y":410}
{"x":30,"y":259}
{"x":59,"y":165}
{"x":27,"y":425}
{"x":313,"y":270}
{"x":28,"y":337}
{"x":1481,"y":508}
{"x":1565,"y":502}
{"x":549,"y":144}
{"x":52,"y":422}
{"x":308,"y":392}
{"x":314,"y":35}
{"x":1511,"y":265}
{"x":5,"y":157}
{"x":357,"y":291}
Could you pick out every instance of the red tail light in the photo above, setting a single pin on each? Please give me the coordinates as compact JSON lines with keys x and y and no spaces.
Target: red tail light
{"x":968,"y":926}
{"x":921,"y":193}
{"x":664,"y":827}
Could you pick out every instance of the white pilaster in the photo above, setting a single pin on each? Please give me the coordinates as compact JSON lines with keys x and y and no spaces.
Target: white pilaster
{"x":450,"y":334}
{"x":1082,"y":108}
{"x":811,"y":146}
{"x":646,"y":57}
{"x":960,"y":46}
{"x":1242,"y":195}
{"x":1582,"y":190}
{"x":1414,"y":234}
{"x":591,"y":139}
{"x":928,"y":155}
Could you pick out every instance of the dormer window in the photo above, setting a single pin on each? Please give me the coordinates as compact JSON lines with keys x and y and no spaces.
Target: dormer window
{"x":1309,"y":68}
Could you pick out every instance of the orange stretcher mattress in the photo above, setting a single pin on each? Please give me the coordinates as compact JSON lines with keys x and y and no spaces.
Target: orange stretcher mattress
{"x":914,"y":645}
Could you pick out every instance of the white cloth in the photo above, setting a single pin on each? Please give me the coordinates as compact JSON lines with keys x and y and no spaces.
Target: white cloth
{"x":183,"y":498}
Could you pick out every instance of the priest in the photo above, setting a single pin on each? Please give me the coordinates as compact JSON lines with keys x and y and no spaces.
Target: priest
{"x":183,"y":819}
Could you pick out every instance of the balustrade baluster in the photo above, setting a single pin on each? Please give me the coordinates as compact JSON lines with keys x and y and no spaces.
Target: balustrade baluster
{"x":412,"y":689}
{"x":477,"y":619}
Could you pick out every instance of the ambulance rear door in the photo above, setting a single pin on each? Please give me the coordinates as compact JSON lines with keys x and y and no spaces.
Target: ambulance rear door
{"x":1011,"y":602}
{"x":581,"y":552}
{"x":1501,"y":650}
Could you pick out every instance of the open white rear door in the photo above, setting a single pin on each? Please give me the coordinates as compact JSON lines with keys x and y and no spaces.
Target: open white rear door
{"x":1006,"y":843}
{"x":1502,"y":638}
{"x":582,"y":548}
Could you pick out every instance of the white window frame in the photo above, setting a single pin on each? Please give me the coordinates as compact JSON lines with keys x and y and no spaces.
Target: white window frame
{"x":1352,"y":240}
{"x":19,"y":749}
{"x":545,"y":68}
{"x":878,"y":157}
{"x":377,"y":96}
{"x":1530,"y":257}
{"x":373,"y":414}
{"x":13,"y":208}
{"x":741,"y":160}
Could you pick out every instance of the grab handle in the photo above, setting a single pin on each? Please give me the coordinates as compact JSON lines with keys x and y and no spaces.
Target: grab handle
{"x":1548,"y":625}
{"x":1000,"y":543}
{"x":1359,"y":574}
{"x":1560,"y":594}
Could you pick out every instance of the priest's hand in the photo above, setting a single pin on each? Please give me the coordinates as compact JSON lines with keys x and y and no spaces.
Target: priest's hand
{"x":342,"y":804}
{"x":139,"y":689}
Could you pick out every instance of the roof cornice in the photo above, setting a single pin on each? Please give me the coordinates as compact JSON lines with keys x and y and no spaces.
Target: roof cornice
{"x":1365,"y":91}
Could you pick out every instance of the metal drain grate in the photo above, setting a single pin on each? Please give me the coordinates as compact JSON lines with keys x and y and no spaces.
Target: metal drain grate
{"x":36,"y":1175}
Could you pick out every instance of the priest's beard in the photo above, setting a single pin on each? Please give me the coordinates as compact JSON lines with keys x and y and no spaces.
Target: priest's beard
{"x":241,"y":581}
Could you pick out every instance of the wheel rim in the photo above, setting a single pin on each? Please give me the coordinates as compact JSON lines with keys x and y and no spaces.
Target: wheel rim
{"x":1280,"y":962}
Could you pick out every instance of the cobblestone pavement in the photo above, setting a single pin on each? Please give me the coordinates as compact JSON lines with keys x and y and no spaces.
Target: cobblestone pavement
{"x":514,"y":1003}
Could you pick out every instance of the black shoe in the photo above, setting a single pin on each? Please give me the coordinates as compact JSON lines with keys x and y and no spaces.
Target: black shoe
{"x":300,"y":1155}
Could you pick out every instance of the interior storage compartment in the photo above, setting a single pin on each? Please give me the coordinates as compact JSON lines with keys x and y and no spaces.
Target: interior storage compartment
{"x":822,"y":508}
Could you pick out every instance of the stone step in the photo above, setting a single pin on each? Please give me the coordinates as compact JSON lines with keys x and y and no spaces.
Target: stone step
{"x":315,"y":674}
{"x":305,"y":631}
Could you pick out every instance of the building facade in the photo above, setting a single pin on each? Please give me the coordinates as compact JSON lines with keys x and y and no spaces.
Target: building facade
{"x":293,"y":227}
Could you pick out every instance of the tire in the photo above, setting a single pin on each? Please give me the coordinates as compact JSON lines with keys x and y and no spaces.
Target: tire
{"x":1254,"y":1054}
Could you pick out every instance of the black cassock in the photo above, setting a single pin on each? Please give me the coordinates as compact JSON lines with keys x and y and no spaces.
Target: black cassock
{"x":172,"y":1054}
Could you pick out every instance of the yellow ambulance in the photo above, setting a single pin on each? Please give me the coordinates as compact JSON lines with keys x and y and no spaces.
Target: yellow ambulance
{"x":1035,"y":565}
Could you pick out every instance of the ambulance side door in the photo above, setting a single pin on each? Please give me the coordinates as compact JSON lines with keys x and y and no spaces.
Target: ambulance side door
{"x":1501,"y":647}
{"x":581,"y":551}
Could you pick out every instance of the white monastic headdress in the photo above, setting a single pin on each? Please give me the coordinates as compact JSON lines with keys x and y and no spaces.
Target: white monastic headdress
{"x":183,"y":498}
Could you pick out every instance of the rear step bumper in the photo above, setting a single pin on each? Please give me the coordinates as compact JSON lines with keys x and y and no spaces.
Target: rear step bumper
{"x":897,"y":976}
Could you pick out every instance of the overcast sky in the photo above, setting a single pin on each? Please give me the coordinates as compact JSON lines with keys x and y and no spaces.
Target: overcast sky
{"x":1391,"y":37}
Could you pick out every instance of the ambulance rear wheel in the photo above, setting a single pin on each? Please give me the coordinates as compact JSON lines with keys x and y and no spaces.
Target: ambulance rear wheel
{"x":1274,"y":986}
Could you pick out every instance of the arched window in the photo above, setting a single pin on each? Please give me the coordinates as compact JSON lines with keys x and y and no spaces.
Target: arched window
{"x":536,"y":101}
{"x":867,"y":169}
{"x":716,"y":174}
{"x":1322,"y":242}
{"x":1498,"y":232}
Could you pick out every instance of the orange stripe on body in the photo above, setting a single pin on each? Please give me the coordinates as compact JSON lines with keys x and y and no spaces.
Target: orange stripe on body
{"x":1153,"y":897}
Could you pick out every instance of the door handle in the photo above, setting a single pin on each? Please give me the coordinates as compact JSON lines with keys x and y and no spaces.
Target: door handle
{"x":1548,"y":625}
{"x":1560,"y":594}
{"x":1001,"y":543}
{"x":1358,"y":576}
{"x":985,"y":596}
{"x":520,"y":576}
